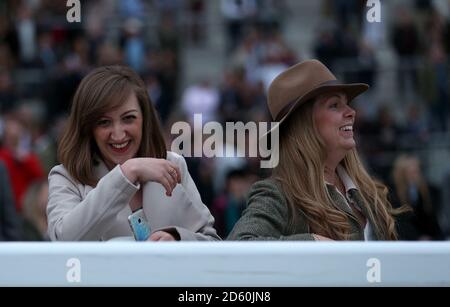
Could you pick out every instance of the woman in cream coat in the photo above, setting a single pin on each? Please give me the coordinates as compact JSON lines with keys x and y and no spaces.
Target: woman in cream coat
{"x":114,"y":161}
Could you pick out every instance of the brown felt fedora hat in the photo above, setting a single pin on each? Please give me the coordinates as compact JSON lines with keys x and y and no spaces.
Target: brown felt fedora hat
{"x":302,"y":82}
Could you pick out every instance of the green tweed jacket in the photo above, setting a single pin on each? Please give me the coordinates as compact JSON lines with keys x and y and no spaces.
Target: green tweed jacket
{"x":267,"y":214}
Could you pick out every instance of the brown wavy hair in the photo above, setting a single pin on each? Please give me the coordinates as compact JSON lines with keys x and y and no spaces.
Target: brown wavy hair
{"x":102,"y":90}
{"x":300,"y":173}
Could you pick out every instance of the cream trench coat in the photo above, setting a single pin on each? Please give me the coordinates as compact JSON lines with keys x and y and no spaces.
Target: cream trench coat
{"x":78,"y":212}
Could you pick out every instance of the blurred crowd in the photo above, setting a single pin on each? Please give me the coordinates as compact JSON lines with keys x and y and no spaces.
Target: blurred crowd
{"x":43,"y":58}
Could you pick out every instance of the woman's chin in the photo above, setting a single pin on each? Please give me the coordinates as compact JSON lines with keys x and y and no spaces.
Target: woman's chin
{"x":349,"y":145}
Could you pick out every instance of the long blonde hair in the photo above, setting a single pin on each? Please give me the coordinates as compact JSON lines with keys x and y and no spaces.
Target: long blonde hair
{"x":400,"y":176}
{"x":300,"y":173}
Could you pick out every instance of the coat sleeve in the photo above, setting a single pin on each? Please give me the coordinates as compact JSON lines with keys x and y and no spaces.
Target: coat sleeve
{"x":202,"y":229}
{"x":73,"y":217}
{"x":266,"y":217}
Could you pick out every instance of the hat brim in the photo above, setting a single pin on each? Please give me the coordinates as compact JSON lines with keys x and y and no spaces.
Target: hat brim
{"x":352,"y":90}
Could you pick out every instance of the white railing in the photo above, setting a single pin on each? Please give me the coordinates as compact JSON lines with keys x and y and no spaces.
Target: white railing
{"x":225,"y":264}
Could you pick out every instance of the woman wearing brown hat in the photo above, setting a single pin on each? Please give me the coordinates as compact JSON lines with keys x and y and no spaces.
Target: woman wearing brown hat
{"x":319,"y":190}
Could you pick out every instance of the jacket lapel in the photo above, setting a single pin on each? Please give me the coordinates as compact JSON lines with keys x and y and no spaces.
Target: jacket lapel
{"x":341,"y":204}
{"x":356,"y":197}
{"x":338,"y":200}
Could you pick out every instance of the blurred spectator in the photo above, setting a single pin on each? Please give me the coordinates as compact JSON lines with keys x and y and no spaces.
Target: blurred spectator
{"x":197,"y":21}
{"x":202,"y":98}
{"x":388,"y":129}
{"x":169,"y":34}
{"x":228,"y":206}
{"x":131,"y":8}
{"x":80,"y":54}
{"x":416,"y":128}
{"x":423,"y":5}
{"x":222,"y":166}
{"x":231,"y":95}
{"x":366,"y":64}
{"x":437,"y":63}
{"x":434,"y":88}
{"x":9,"y":46}
{"x":326,"y":46}
{"x":411,"y":188}
{"x":46,"y":143}
{"x":47,"y":55}
{"x":97,"y":15}
{"x":26,"y":34}
{"x":248,"y":55}
{"x":22,"y":164}
{"x":406,"y":43}
{"x":237,"y":14}
{"x":380,"y":140}
{"x":347,"y":12}
{"x":202,"y":172}
{"x":168,"y":6}
{"x":8,"y":97}
{"x":9,"y":221}
{"x":271,"y":14}
{"x":133,"y":44}
{"x":61,"y":88}
{"x":164,"y":64}
{"x":108,"y":54}
{"x":35,"y":212}
{"x":339,"y":49}
{"x":153,"y":89}
{"x":276,"y":50}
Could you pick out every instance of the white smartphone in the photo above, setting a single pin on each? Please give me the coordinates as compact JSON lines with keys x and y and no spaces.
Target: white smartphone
{"x":139,"y":225}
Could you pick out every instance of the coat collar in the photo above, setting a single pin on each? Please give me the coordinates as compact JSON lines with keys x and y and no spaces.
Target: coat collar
{"x":353,"y":194}
{"x":336,"y":196}
{"x":357,"y":198}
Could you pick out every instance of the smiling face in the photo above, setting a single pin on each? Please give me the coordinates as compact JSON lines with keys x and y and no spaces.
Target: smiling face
{"x":118,"y":133}
{"x":334,"y":119}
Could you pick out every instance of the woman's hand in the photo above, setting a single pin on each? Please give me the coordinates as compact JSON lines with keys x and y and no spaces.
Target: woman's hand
{"x":161,"y":236}
{"x":321,"y":238}
{"x":162,"y":171}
